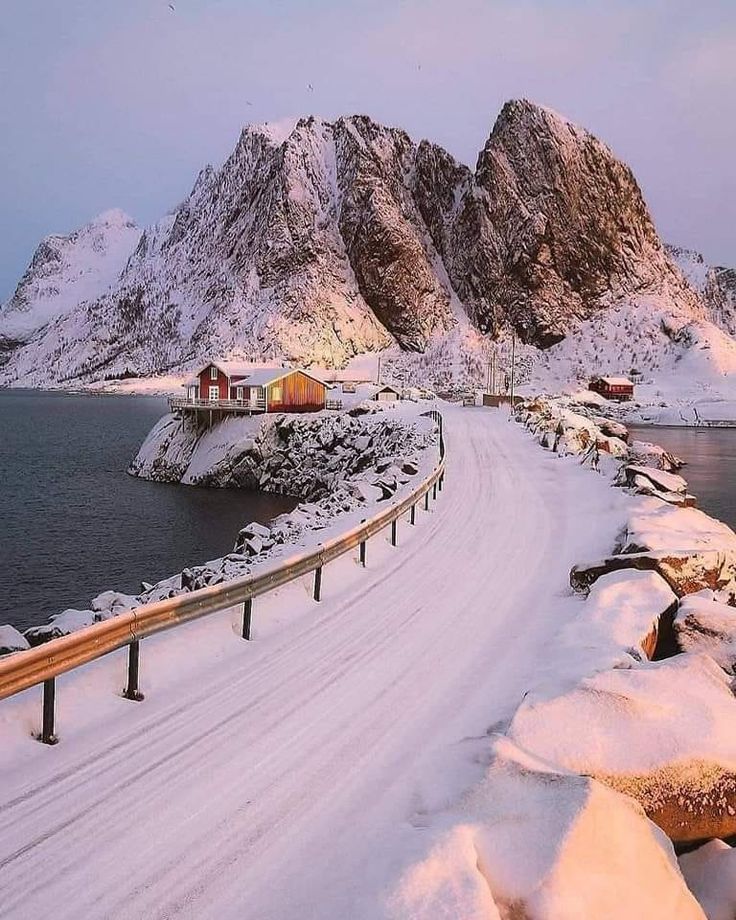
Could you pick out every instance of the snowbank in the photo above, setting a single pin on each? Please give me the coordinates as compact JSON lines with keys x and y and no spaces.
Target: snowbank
{"x":661,"y":732}
{"x":535,"y":842}
{"x":710,"y":872}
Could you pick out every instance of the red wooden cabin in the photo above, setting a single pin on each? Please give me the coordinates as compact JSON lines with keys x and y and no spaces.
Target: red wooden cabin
{"x":269,"y":389}
{"x":618,"y":388}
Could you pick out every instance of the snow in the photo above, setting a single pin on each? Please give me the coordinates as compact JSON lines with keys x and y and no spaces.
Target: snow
{"x":710,"y":872}
{"x":68,"y":270}
{"x":328,"y":749}
{"x":703,"y":624}
{"x":548,"y":845}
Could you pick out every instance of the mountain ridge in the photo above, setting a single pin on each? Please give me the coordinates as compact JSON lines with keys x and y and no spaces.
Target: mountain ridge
{"x":346,"y":237}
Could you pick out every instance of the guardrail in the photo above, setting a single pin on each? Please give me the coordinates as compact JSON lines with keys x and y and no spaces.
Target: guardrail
{"x":44,"y":663}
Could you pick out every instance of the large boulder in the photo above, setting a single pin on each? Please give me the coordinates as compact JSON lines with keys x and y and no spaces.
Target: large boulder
{"x":710,"y":873}
{"x":704,"y":625}
{"x":533,"y":842}
{"x":662,"y":732}
{"x":648,"y":454}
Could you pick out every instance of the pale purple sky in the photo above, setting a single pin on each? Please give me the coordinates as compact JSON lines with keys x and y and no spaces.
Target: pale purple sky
{"x":119,"y":104}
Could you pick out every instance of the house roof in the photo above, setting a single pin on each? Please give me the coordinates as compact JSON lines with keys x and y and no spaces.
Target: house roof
{"x":257,"y":376}
{"x":616,"y":381}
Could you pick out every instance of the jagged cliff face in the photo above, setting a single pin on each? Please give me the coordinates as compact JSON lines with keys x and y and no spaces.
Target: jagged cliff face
{"x":346,"y":237}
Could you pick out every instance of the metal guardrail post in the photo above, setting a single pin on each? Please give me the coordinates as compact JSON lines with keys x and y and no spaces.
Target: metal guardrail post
{"x":318,"y":583}
{"x":393,"y":532}
{"x":413,"y":514}
{"x":434,"y":492}
{"x":247,"y":614}
{"x":132,"y":692}
{"x":426,"y":500}
{"x":47,"y":735}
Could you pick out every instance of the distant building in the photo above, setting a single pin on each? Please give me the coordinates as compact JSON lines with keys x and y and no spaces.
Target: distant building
{"x":617,"y":388}
{"x":235,"y":387}
{"x":386,"y":393}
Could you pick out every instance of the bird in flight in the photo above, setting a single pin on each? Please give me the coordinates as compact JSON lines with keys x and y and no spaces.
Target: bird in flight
{"x":172,"y":7}
{"x":311,"y":88}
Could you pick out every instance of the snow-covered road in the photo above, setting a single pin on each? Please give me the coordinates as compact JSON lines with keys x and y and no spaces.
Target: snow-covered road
{"x":295,"y":776}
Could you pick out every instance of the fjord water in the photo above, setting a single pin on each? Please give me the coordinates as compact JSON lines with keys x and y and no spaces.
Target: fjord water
{"x":710,"y":455}
{"x":73,"y":523}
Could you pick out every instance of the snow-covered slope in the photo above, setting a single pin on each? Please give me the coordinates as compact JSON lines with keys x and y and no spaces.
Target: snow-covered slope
{"x":715,"y":284}
{"x":64,"y":272}
{"x":346,"y":237}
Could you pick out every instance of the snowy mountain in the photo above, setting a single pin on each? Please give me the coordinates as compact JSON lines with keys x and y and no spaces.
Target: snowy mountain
{"x":346,"y":237}
{"x":64,"y":272}
{"x":715,"y":284}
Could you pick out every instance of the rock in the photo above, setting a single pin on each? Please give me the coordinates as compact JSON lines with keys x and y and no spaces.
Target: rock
{"x":704,"y":625}
{"x":661,"y":733}
{"x":11,"y":640}
{"x":258,"y":530}
{"x":628,"y":608}
{"x":612,"y":429}
{"x":363,"y":442}
{"x":659,"y":480}
{"x":647,"y":454}
{"x":710,"y":873}
{"x":113,"y":603}
{"x":61,"y":624}
{"x":534,"y":842}
{"x":685,"y":572}
{"x":410,"y":467}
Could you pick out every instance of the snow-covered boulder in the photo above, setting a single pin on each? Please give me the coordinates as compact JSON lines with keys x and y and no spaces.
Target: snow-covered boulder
{"x":689,"y":549}
{"x":60,"y":624}
{"x":532,"y":842}
{"x":11,"y":640}
{"x":111,"y":603}
{"x":647,"y":454}
{"x":626,"y":608}
{"x":704,"y":625}
{"x":611,"y":428}
{"x":662,"y":732}
{"x":710,"y":873}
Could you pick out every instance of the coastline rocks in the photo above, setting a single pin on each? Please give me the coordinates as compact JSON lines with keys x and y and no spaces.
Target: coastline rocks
{"x":11,"y":640}
{"x":534,"y":842}
{"x":647,"y":480}
{"x":710,"y":873}
{"x":704,"y":625}
{"x":661,"y":733}
{"x":569,"y":433}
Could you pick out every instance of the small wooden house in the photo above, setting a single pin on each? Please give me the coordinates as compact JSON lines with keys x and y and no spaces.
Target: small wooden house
{"x":617,"y":388}
{"x":231,"y":385}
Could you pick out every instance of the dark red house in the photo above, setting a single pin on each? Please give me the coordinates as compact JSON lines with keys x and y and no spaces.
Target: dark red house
{"x":618,"y":388}
{"x":233,"y":386}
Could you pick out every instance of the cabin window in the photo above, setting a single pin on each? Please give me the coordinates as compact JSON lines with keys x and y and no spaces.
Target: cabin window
{"x":239,"y":393}
{"x":213,"y":373}
{"x":276,"y":394}
{"x":214,"y":392}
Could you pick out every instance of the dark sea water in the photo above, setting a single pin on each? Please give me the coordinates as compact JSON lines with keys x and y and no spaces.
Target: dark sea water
{"x":73,"y":523}
{"x":710,"y":454}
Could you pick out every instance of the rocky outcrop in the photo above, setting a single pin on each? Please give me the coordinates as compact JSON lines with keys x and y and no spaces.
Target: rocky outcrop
{"x":11,"y":640}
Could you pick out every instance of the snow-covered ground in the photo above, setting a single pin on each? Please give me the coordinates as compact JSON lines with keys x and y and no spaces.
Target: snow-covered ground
{"x":302,"y":774}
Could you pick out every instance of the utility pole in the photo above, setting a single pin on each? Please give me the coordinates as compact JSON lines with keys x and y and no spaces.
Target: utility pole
{"x":513,"y":366}
{"x":378,"y":372}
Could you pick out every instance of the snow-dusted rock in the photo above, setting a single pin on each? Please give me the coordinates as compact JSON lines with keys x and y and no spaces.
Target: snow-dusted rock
{"x":533,"y":842}
{"x":704,"y":625}
{"x":661,"y":732}
{"x":11,"y":640}
{"x":60,"y":624}
{"x":647,"y":454}
{"x":661,"y":480}
{"x":710,"y":873}
{"x":612,"y":428}
{"x":112,"y":603}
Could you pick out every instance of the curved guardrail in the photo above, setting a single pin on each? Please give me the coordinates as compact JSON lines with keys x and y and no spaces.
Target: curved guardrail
{"x":44,"y":663}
